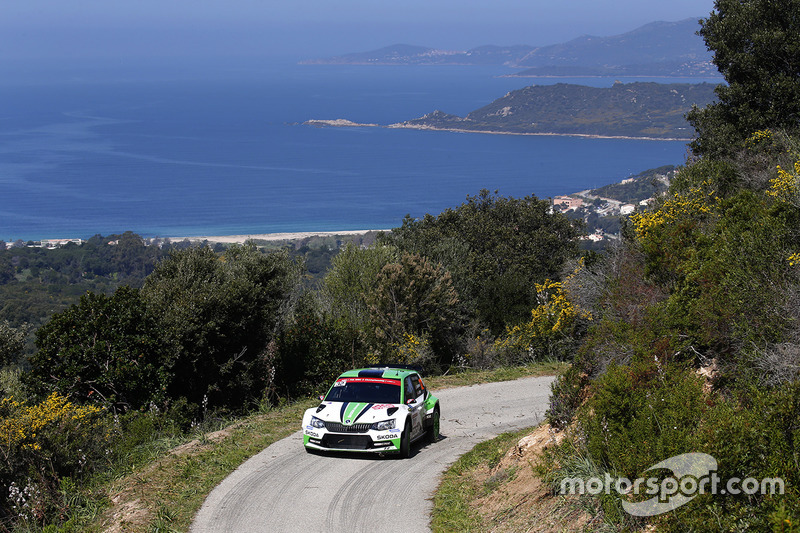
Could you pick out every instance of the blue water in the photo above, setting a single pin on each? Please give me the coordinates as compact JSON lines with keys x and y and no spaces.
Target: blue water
{"x":205,"y":156}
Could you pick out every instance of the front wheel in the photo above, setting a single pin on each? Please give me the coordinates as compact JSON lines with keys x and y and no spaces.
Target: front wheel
{"x":405,"y":442}
{"x":433,"y":430}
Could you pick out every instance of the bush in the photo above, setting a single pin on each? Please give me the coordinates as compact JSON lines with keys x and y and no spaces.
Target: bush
{"x":641,"y":414}
{"x":567,"y":392}
{"x":103,"y":350}
{"x":42,"y":447}
{"x":216,"y":316}
{"x":755,"y":435}
{"x":495,"y":248}
{"x":311,"y":352}
{"x":551,"y":330}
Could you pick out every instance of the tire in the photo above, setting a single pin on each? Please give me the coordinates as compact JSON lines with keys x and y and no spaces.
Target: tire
{"x":405,"y":442}
{"x":432,"y":433}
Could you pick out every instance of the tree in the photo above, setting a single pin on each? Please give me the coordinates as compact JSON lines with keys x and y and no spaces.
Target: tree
{"x":311,"y":351}
{"x":344,"y":291}
{"x":495,"y":249}
{"x":12,"y":342}
{"x":217,"y":314}
{"x":352,"y":276}
{"x":756,"y":46}
{"x":105,"y":349}
{"x":414,"y":298}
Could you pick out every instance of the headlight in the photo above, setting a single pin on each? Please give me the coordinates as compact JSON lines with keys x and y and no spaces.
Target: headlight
{"x":317,"y":423}
{"x":383,"y":426}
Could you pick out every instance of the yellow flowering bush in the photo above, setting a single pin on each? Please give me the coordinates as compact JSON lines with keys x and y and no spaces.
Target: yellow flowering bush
{"x":680,"y":207}
{"x":760,"y":140}
{"x":414,"y":349}
{"x":785,"y":186}
{"x":43,"y":444}
{"x":551,"y":326}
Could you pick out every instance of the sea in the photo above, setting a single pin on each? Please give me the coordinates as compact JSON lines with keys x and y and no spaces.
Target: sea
{"x":226,"y":152}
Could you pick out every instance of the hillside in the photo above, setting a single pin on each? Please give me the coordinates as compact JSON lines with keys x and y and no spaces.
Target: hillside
{"x":656,"y":49}
{"x":648,"y":110}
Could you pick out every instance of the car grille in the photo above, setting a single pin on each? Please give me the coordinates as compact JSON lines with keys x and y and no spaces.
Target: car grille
{"x":347,"y":442}
{"x":336,"y":427}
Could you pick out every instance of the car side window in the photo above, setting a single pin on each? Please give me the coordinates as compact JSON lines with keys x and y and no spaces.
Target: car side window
{"x":418,"y":390}
{"x":410,"y":392}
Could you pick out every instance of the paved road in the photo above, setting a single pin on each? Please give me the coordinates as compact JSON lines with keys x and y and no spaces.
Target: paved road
{"x":285,"y":489}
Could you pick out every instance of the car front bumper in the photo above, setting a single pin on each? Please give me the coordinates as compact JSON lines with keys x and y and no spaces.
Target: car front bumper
{"x":369,"y":441}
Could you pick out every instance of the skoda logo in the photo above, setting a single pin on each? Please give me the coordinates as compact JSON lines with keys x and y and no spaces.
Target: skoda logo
{"x":346,"y":421}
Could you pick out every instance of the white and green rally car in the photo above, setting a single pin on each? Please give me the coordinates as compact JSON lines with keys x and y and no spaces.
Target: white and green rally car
{"x":379,"y":410}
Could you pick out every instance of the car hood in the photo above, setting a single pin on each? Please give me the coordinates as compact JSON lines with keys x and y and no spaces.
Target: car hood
{"x":349,"y":413}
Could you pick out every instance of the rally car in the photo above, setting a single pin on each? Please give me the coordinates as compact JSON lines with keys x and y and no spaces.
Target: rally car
{"x":382,"y":410}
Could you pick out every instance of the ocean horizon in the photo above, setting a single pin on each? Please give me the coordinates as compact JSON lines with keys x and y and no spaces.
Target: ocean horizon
{"x":194,"y":157}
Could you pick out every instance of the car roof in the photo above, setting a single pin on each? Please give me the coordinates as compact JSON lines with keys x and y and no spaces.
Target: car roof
{"x":379,"y":372}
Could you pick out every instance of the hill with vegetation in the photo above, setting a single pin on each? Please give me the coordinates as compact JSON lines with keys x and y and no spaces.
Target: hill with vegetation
{"x":649,"y":110}
{"x":693,"y":344}
{"x":656,"y":49}
{"x":643,"y":186}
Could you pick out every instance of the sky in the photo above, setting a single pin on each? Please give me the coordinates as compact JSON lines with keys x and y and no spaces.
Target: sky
{"x":35,"y":31}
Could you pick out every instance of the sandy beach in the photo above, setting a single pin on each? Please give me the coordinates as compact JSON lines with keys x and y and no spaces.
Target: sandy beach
{"x":344,"y":123}
{"x":240,"y":239}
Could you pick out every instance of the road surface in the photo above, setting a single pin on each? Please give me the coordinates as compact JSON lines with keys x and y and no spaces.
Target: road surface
{"x":285,"y":489}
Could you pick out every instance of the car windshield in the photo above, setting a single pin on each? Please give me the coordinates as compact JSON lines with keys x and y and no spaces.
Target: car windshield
{"x":366,"y":390}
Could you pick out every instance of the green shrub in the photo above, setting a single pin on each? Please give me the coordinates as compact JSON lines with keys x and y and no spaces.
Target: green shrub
{"x":311,"y":352}
{"x":565,"y":397}
{"x":42,"y":447}
{"x":755,"y":435}
{"x":641,"y":414}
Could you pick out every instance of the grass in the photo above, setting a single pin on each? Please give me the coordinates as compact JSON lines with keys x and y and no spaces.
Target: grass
{"x":169,"y":488}
{"x":452,"y":509}
{"x":475,"y":377}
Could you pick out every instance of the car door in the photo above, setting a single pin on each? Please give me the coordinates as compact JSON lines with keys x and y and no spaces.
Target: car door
{"x":416,"y":409}
{"x":415,"y":390}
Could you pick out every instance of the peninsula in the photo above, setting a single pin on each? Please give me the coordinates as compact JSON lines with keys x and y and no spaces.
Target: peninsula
{"x":640,"y":110}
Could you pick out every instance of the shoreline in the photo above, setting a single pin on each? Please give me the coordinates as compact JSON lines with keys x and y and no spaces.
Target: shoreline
{"x":344,"y":123}
{"x":286,"y":236}
{"x":224,"y":239}
{"x":541,"y":134}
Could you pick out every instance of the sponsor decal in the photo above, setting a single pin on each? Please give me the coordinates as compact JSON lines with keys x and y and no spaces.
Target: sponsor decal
{"x":386,"y":437}
{"x":312,"y":434}
{"x":396,"y":430}
{"x":367,"y":380}
{"x":383,"y":406}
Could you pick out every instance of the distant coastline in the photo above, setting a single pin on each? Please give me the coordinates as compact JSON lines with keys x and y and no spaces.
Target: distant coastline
{"x":223,"y":239}
{"x":344,"y":123}
{"x":288,"y":236}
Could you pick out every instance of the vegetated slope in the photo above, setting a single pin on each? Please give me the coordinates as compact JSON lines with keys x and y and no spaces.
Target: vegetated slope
{"x":623,"y":110}
{"x":634,"y":189}
{"x":655,"y":49}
